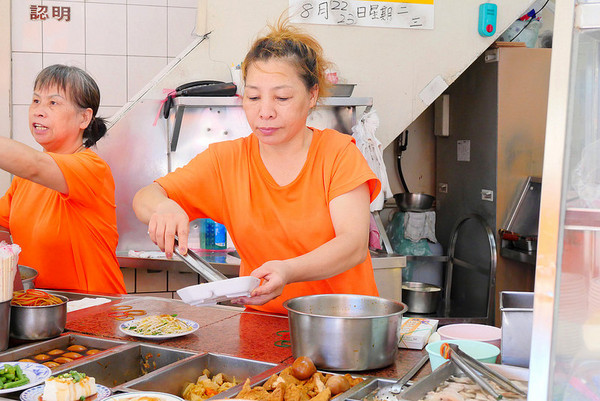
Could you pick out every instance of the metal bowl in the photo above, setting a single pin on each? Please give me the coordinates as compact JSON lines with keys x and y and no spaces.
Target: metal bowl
{"x":341,"y":90}
{"x":38,"y":322}
{"x":344,"y":331}
{"x":409,"y":202}
{"x":28,"y":276}
{"x":421,"y":297}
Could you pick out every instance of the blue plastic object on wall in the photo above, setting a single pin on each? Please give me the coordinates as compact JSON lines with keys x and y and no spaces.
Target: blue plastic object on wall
{"x":487,"y":19}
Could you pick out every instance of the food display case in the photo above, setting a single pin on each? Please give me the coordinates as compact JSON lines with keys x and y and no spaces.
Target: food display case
{"x":565,"y":351}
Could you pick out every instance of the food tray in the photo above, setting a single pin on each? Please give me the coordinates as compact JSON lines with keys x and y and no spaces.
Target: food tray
{"x":258,"y":381}
{"x":418,"y":390}
{"x":61,"y":342}
{"x":368,"y":389}
{"x":127,"y":363}
{"x":172,"y":379}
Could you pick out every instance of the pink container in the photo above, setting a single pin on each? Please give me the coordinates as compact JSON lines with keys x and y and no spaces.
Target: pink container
{"x":470,"y":331}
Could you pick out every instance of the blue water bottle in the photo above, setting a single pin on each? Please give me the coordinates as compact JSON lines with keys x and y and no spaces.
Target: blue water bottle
{"x":213,"y":235}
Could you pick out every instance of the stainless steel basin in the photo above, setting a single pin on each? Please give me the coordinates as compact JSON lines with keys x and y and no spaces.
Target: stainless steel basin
{"x":129,"y":362}
{"x":173,"y":378}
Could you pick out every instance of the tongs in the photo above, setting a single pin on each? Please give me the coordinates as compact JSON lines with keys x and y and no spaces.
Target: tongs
{"x":473,"y":368}
{"x":199,"y":264}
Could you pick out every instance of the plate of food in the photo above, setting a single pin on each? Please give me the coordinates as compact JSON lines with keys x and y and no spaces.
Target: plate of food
{"x":144,"y":396}
{"x":159,"y":327}
{"x":71,"y":386}
{"x":21,"y":375}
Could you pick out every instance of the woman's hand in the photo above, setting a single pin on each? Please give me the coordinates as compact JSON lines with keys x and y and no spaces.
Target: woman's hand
{"x":274,"y":278}
{"x":164,"y":216}
{"x":169,"y":220}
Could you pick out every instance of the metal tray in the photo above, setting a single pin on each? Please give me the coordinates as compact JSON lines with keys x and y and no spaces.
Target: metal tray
{"x":127,"y":362}
{"x":172,"y":379}
{"x":258,"y":381}
{"x":418,"y":390}
{"x":63,"y":341}
{"x":368,"y":390}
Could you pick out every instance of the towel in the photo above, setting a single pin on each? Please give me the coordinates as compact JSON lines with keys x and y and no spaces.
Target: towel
{"x":85,"y":303}
{"x":364,"y":134}
{"x":374,"y":236}
{"x":419,"y":225}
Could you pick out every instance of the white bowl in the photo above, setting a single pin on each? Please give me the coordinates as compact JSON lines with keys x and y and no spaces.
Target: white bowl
{"x":470,"y":331}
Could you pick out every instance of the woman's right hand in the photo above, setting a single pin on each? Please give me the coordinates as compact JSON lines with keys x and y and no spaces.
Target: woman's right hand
{"x":169,"y":220}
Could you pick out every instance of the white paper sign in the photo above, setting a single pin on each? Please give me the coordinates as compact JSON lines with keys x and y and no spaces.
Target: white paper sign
{"x":412,"y":14}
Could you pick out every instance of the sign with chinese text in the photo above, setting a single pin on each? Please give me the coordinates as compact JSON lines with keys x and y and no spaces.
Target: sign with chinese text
{"x":414,"y":14}
{"x":46,"y":12}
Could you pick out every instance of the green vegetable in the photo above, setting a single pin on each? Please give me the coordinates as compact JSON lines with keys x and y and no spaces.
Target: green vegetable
{"x":17,"y":383}
{"x":12,"y":376}
{"x":19,"y":372}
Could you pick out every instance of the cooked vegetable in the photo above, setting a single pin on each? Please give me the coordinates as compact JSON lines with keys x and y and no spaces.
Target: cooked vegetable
{"x":12,"y":376}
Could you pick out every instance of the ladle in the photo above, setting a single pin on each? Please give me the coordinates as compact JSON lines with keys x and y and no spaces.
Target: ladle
{"x":388,"y":393}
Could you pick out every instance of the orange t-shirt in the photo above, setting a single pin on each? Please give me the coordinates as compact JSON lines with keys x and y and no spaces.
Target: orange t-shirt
{"x":71,"y":239}
{"x":230,"y":184}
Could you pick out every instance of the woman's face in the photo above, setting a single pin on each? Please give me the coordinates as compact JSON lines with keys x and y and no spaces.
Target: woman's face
{"x":276,"y":101}
{"x":55,"y":122}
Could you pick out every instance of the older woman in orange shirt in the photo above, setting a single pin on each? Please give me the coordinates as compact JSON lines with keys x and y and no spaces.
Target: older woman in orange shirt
{"x":295,"y":199}
{"x":60,"y":207}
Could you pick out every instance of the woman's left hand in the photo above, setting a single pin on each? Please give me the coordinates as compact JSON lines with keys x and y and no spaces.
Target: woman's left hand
{"x":273,"y":277}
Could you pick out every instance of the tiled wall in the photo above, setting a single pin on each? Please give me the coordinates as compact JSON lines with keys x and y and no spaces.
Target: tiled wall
{"x":123,"y":44}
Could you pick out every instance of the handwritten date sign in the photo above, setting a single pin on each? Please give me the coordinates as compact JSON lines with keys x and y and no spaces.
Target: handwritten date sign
{"x":412,"y":14}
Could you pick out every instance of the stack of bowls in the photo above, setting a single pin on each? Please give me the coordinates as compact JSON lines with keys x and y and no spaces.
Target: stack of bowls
{"x":483,"y":352}
{"x":471,"y":331}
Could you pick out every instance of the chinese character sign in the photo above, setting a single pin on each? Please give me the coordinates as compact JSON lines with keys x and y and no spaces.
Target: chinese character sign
{"x":415,"y":14}
{"x":43,"y":13}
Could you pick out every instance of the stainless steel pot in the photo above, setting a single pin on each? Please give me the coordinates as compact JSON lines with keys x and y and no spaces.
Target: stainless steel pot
{"x":344,"y":331}
{"x":413,"y":202}
{"x":4,"y":326}
{"x":38,"y":322}
{"x":421,"y":297}
{"x":28,"y":276}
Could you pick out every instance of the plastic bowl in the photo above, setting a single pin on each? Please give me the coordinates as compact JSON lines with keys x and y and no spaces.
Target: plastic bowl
{"x":481,"y":351}
{"x":471,"y":331}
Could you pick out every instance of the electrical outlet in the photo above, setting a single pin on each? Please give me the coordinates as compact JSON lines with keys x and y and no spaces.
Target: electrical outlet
{"x":487,"y":195}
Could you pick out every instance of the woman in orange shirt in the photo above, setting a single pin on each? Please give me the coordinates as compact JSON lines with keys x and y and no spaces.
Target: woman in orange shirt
{"x":294,"y":199}
{"x":60,"y":207}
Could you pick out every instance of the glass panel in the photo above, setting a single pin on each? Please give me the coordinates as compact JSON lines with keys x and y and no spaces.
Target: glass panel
{"x":576,"y":335}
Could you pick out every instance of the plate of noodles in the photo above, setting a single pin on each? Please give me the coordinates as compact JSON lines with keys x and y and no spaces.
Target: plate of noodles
{"x":158,"y":327}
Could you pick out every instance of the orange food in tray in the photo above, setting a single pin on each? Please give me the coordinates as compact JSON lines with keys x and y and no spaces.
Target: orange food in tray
{"x":58,"y":356}
{"x":286,"y":385}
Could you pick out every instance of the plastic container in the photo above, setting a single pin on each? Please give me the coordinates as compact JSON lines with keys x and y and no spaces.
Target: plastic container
{"x":483,"y":352}
{"x":218,"y":291}
{"x":470,"y":331}
{"x":213,"y":235}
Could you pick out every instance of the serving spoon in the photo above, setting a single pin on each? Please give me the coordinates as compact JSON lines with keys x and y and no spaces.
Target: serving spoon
{"x":388,"y":393}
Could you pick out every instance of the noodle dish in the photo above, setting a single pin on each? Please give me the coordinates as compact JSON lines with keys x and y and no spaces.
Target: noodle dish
{"x":159,"y":327}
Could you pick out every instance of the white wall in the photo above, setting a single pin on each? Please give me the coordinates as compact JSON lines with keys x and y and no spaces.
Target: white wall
{"x":123,"y":44}
{"x":4,"y":85}
{"x":391,"y":65}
